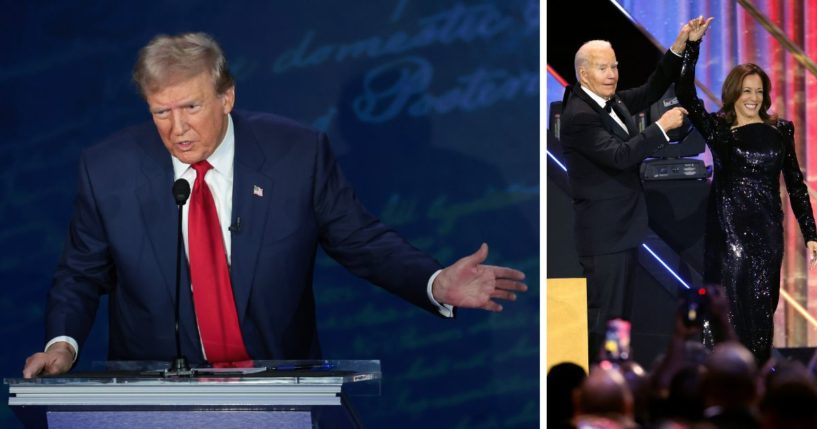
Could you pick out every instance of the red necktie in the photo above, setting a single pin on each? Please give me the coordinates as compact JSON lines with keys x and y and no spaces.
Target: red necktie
{"x":212,"y":290}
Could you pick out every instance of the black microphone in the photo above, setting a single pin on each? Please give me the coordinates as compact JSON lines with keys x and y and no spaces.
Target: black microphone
{"x":181,"y":191}
{"x":235,"y":227}
{"x":179,"y":366}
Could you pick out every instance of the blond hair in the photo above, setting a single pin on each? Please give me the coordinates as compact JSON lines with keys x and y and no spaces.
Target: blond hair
{"x":171,"y":59}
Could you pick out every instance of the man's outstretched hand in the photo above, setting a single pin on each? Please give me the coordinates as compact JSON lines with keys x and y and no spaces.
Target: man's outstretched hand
{"x":57,"y":359}
{"x":469,"y":284}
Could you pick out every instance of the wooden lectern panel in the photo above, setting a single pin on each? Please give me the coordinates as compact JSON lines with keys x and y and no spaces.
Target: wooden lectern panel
{"x":567,"y":322}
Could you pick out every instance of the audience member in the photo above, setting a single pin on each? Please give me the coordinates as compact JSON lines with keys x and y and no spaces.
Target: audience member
{"x":563,"y":380}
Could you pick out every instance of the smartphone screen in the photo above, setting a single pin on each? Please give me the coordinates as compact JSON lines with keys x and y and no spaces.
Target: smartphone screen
{"x":617,"y":340}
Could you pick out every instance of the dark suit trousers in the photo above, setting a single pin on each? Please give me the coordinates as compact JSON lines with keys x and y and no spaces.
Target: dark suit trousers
{"x":610,"y":288}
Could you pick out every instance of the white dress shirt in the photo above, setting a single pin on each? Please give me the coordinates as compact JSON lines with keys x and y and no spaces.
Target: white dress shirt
{"x":220,"y":181}
{"x":601,"y":101}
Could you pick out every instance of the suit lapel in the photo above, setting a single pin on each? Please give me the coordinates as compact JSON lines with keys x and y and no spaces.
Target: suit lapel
{"x":159,"y":218}
{"x":624,"y":114}
{"x":252,"y":192}
{"x":610,"y":123}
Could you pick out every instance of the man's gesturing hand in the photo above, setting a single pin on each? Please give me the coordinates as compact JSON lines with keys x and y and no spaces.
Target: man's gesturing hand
{"x":470,"y":284}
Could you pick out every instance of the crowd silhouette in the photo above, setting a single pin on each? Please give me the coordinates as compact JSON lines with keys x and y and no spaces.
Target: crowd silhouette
{"x":689,"y":386}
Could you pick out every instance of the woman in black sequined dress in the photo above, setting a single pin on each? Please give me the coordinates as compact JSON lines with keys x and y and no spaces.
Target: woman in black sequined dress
{"x":744,"y":231}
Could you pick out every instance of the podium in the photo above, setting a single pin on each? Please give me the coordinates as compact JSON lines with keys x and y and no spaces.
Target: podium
{"x":271,"y":394}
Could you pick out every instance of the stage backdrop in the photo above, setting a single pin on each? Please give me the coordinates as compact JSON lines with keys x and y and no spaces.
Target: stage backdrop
{"x":432,"y":109}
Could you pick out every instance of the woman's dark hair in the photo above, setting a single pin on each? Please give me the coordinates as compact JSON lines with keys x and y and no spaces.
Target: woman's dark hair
{"x":732,"y":87}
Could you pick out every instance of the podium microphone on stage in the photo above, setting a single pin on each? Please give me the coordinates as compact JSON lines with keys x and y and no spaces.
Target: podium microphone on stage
{"x":179,"y":366}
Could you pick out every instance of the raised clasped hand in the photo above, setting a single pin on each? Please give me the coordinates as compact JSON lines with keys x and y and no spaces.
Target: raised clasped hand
{"x":697,"y":27}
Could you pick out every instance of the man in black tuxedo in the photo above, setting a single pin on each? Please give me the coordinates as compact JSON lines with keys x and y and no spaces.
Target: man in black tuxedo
{"x":603,"y":149}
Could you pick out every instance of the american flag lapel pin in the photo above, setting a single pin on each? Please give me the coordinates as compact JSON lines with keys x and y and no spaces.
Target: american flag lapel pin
{"x":257,"y":191}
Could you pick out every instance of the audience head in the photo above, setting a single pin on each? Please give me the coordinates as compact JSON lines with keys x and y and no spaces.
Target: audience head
{"x":729,"y":378}
{"x":790,"y":399}
{"x":563,"y":380}
{"x":604,"y":393}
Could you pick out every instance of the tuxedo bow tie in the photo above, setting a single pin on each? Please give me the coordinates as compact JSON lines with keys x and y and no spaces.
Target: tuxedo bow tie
{"x":608,"y":106}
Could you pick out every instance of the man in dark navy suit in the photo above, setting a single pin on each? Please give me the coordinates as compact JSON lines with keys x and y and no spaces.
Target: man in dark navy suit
{"x":603,"y":149}
{"x":270,"y":192}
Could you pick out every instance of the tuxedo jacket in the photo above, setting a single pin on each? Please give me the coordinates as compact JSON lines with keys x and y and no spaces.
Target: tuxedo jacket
{"x":603,"y":162}
{"x":122,"y":242}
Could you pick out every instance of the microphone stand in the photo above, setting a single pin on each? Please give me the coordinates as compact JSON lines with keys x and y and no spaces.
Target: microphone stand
{"x":179,"y":366}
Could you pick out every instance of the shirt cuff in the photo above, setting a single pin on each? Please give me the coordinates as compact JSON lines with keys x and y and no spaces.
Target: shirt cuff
{"x":445,"y":310}
{"x":666,"y":137}
{"x":676,"y":53}
{"x":71,"y":342}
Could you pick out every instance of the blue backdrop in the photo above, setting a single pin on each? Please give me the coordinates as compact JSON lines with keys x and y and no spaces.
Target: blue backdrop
{"x":432,"y":108}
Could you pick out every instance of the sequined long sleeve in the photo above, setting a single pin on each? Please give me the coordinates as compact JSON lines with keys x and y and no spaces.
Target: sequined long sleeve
{"x":705,"y":122}
{"x":795,"y":185}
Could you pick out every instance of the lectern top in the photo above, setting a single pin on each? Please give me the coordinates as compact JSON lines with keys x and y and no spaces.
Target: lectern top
{"x":262,"y":371}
